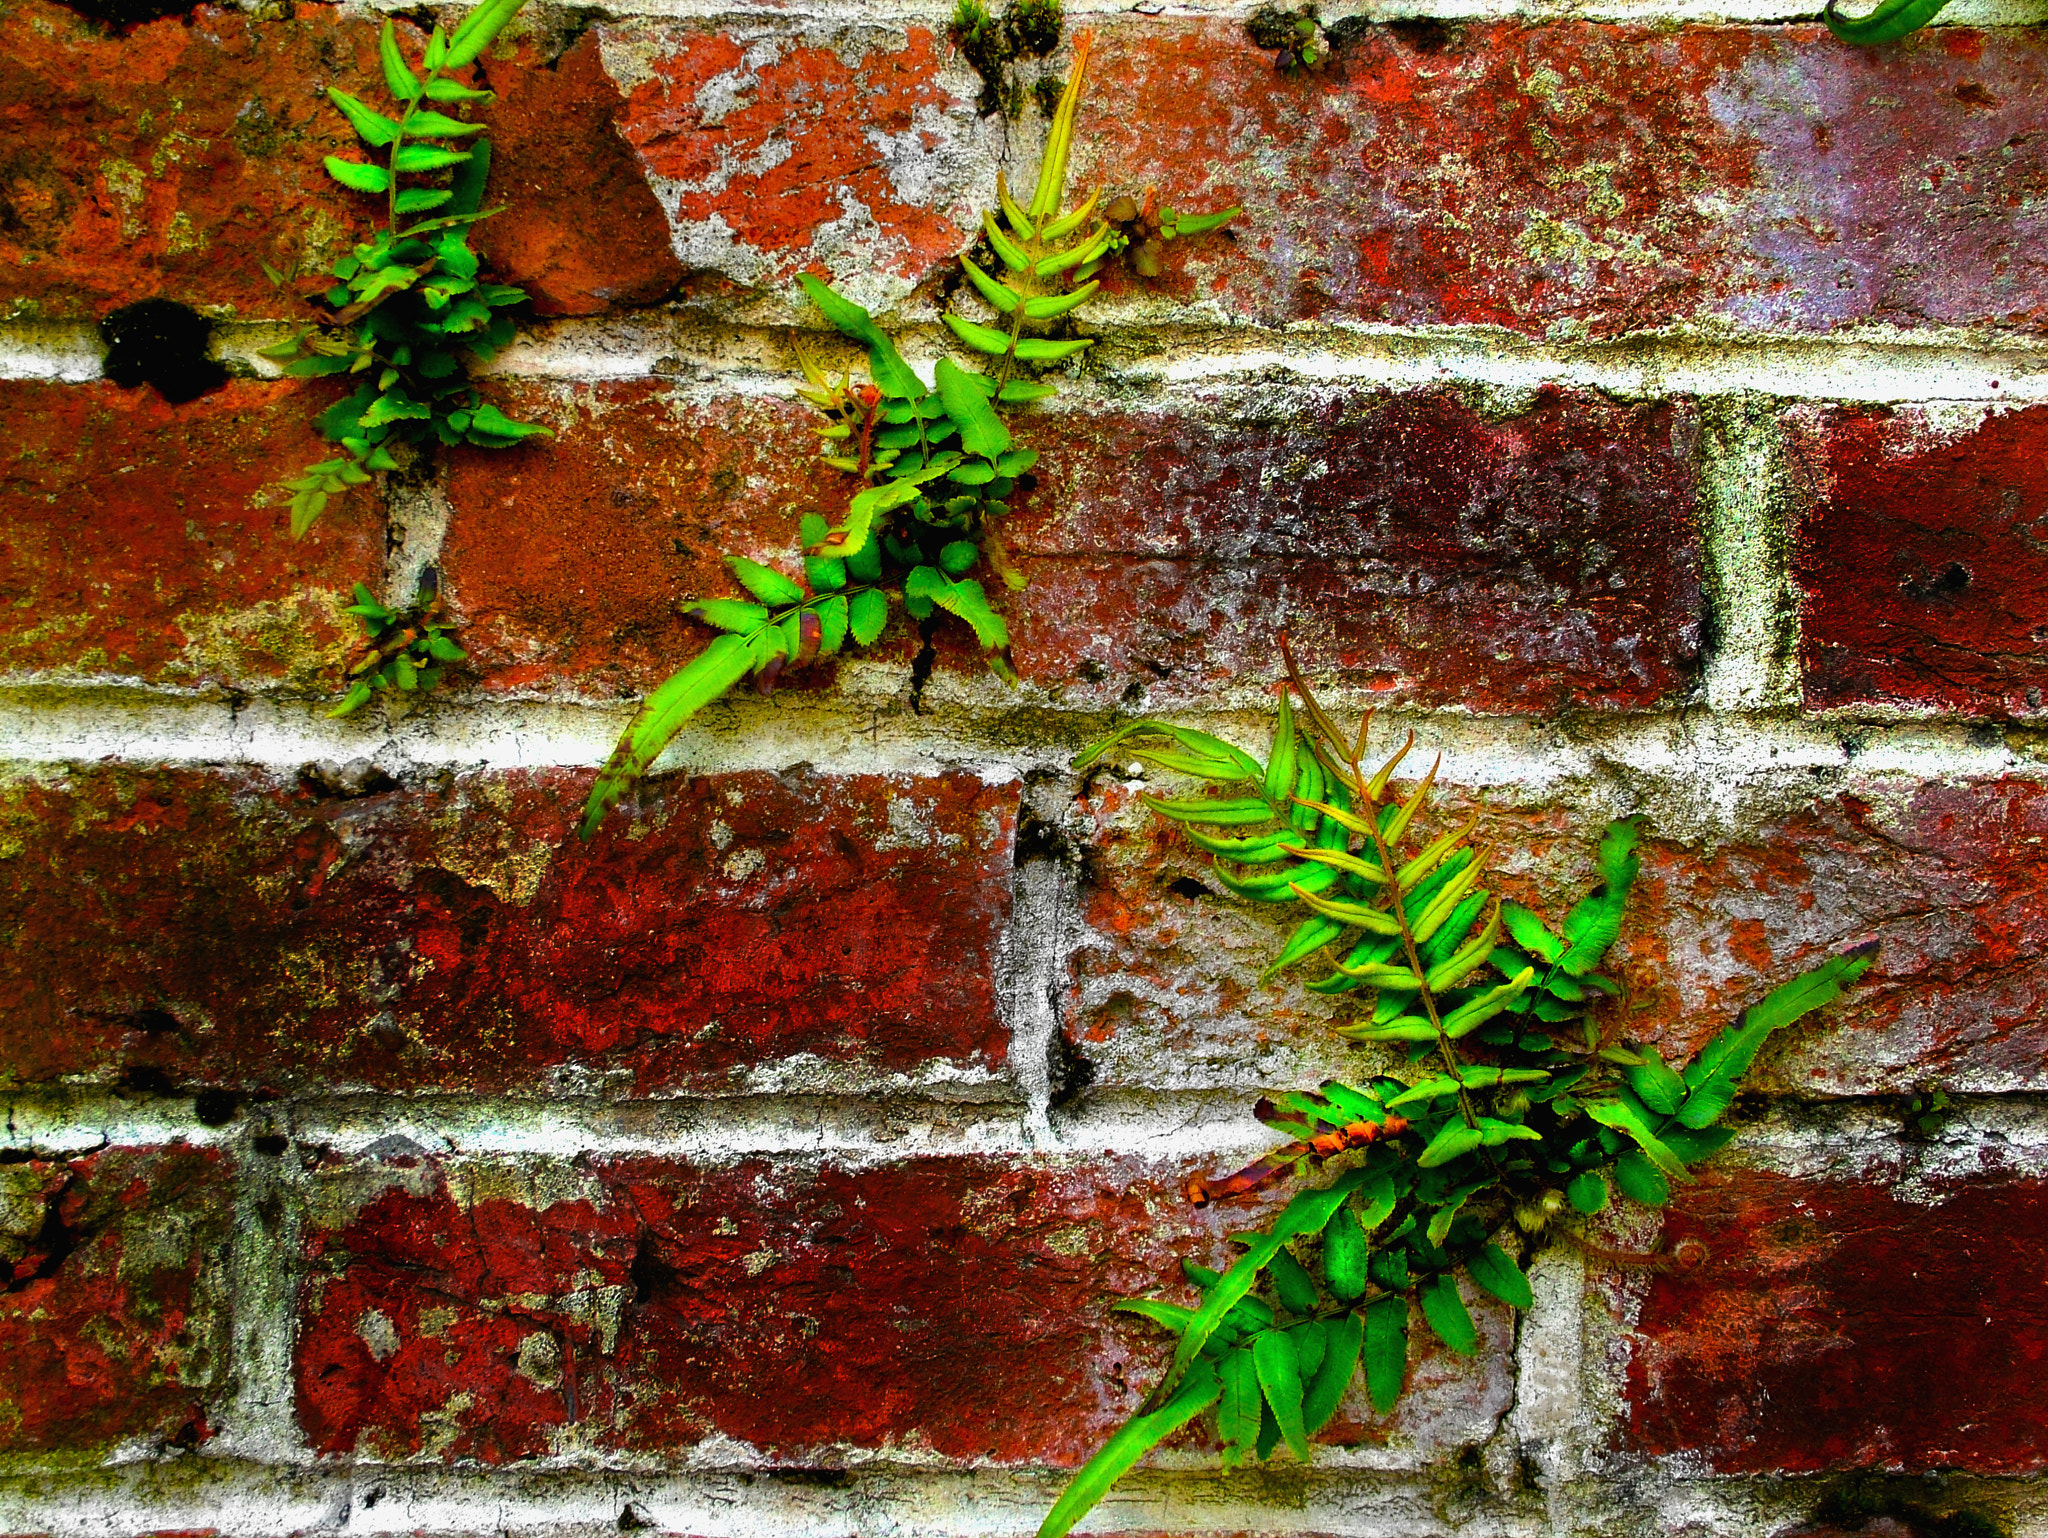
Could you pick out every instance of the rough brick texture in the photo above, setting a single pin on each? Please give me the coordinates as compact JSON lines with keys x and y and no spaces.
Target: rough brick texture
{"x":1924,"y":564}
{"x":953,"y":1308}
{"x":224,"y":930}
{"x":114,"y":1314}
{"x":1846,"y":1325}
{"x":141,"y":541}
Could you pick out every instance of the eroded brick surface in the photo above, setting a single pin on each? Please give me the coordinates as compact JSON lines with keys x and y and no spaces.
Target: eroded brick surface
{"x":1923,"y":563}
{"x":957,"y":1308}
{"x":140,"y":539}
{"x":113,"y":1304}
{"x":225,"y":930}
{"x":1840,"y":1324}
{"x":1946,"y":877}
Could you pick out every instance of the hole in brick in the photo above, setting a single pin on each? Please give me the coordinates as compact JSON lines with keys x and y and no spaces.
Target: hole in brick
{"x":921,"y":667}
{"x":272,"y":1144}
{"x":1189,"y":887}
{"x":146,"y":1079}
{"x":1422,"y":34}
{"x":1069,"y":1070}
{"x":648,"y":1273}
{"x":357,"y":777}
{"x":632,"y":1519}
{"x":52,"y":1245}
{"x":1038,"y":839}
{"x":160,"y":343}
{"x":123,"y":14}
{"x":153,"y":1022}
{"x":214,"y":1107}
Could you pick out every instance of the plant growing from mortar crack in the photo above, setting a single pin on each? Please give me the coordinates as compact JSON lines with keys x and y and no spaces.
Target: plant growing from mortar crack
{"x":409,"y":304}
{"x":932,"y":467}
{"x":1523,"y":1109}
{"x":1892,"y":20}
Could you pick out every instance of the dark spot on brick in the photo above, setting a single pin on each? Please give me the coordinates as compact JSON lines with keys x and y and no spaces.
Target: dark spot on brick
{"x":825,"y":1479}
{"x":357,"y":777}
{"x":52,"y":1245}
{"x":649,"y":1273}
{"x":1188,"y":887}
{"x":214,"y":1107}
{"x":1952,"y":580}
{"x":146,"y":1079}
{"x":120,"y":15}
{"x":1970,"y":93}
{"x":1423,"y":34}
{"x":372,"y":1496}
{"x":1070,"y":1071}
{"x":153,"y":1022}
{"x":161,"y":343}
{"x":632,"y":1519}
{"x":272,"y":1144}
{"x":1038,"y":839}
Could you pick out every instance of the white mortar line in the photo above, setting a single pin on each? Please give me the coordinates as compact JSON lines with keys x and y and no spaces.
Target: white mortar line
{"x":1145,"y":344}
{"x":1752,"y":659}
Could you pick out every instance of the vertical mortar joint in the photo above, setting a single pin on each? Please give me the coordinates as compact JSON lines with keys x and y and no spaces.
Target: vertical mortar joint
{"x":1750,"y":507}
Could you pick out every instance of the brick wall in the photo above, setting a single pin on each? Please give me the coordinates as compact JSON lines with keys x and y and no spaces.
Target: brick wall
{"x":1647,"y":406}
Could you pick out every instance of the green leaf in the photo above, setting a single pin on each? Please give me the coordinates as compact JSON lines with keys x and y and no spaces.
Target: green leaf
{"x":964,"y":600}
{"x":478,"y":30}
{"x":373,"y":126}
{"x":981,"y":431}
{"x":1495,"y":1270}
{"x":488,"y":422}
{"x":1640,"y":1179}
{"x":1386,"y":1351}
{"x":1052,"y":306}
{"x":1591,"y":927}
{"x":764,"y":582}
{"x":1279,"y":1367}
{"x":1343,"y":1338}
{"x":867,"y":616}
{"x":824,"y":573}
{"x":1587,"y":1192}
{"x":1017,"y":391}
{"x":1202,"y":224}
{"x":1889,"y":22}
{"x":1038,"y":350}
{"x":357,"y":177}
{"x":442,"y":89}
{"x":1000,"y":295}
{"x":958,"y":556}
{"x":1238,"y":1413}
{"x":1291,"y":1281}
{"x":469,"y":179}
{"x":1711,"y":1081}
{"x":1453,"y":1142}
{"x":1171,"y":1315}
{"x":851,"y":537}
{"x":892,"y":376}
{"x":1138,"y":1436}
{"x":414,"y":158}
{"x":1627,"y":1120}
{"x":1655,"y":1085}
{"x":1529,"y":933}
{"x":1470,"y":1076}
{"x":1345,"y":1250}
{"x":831,"y":625}
{"x":981,"y":338}
{"x":728,"y":614}
{"x":1445,"y":1311}
{"x":417,"y":200}
{"x":398,"y":80}
{"x":438,"y":125}
{"x":713,"y":671}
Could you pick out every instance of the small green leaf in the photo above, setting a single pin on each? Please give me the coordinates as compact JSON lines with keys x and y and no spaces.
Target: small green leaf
{"x":981,"y":431}
{"x":714,"y":670}
{"x":1295,"y":1287}
{"x":1279,"y":1368}
{"x":1889,"y":22}
{"x":417,"y":200}
{"x":1454,"y":1141}
{"x":1138,"y":1436}
{"x":1587,"y":1192}
{"x":1038,"y":350}
{"x":868,"y":614}
{"x":1496,"y":1271}
{"x":1000,"y":295}
{"x":765,"y":583}
{"x":832,"y":620}
{"x":1641,"y":1180}
{"x":1237,"y":1415}
{"x":372,"y":126}
{"x":1655,"y":1085}
{"x":438,"y":125}
{"x":892,"y":376}
{"x":1017,"y":391}
{"x":1628,"y":1120}
{"x":1386,"y":1351}
{"x":1345,"y":1250}
{"x":728,"y":614}
{"x":980,"y":338}
{"x":357,"y":177}
{"x":1171,"y":1315}
{"x":1343,"y":1338}
{"x":415,"y":158}
{"x":1712,"y":1078}
{"x":441,"y":88}
{"x":398,"y":80}
{"x":959,"y":556}
{"x":479,"y":29}
{"x":1445,"y":1311}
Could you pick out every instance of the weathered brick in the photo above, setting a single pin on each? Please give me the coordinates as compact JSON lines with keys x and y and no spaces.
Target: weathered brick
{"x":1923,"y":563}
{"x":113,"y":1309}
{"x":221,"y":929}
{"x":957,"y":1308}
{"x":1841,"y":1324}
{"x":1590,"y":179}
{"x":1946,"y":877}
{"x":581,"y":231}
{"x":136,"y":544}
{"x":1545,"y":561}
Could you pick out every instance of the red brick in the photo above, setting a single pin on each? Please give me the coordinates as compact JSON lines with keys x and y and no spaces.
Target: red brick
{"x":581,"y":231}
{"x":1547,"y":561}
{"x":1600,"y":178}
{"x":1923,"y":564}
{"x":1408,"y":544}
{"x":1839,"y":1325}
{"x":176,"y":158}
{"x":957,"y":1308}
{"x":136,"y":545}
{"x":1948,"y":878}
{"x":113,"y":1315}
{"x":225,"y":930}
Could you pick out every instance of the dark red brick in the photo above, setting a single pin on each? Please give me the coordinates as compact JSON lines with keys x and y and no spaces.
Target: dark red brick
{"x":223,"y":930}
{"x":1546,"y":561}
{"x":1839,"y":1324}
{"x":1948,"y":878}
{"x":955,"y":1307}
{"x":1923,"y":564}
{"x":113,"y":1308}
{"x":140,"y":539}
{"x":1408,"y":544}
